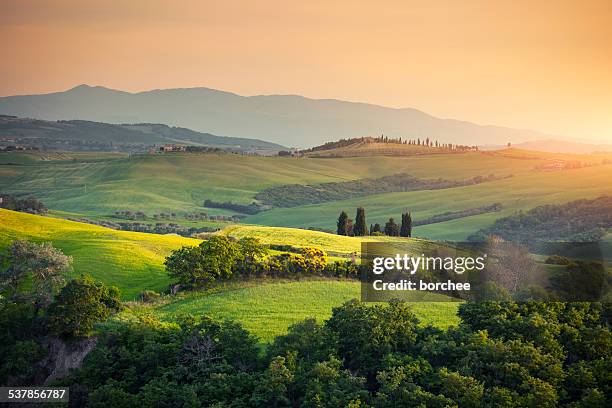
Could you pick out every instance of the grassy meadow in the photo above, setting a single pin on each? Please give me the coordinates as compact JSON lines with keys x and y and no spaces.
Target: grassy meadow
{"x":132,"y":261}
{"x":268,"y":309}
{"x":181,"y":182}
{"x":96,"y":185}
{"x":514,"y":193}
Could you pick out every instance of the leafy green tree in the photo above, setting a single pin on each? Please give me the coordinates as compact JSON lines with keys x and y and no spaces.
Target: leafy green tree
{"x":360,"y":229}
{"x":365,"y":334}
{"x":197,"y":266}
{"x":581,"y":281}
{"x":34,"y":272}
{"x":329,"y":386}
{"x":252,"y":252}
{"x":391,"y":228}
{"x":406,"y":228}
{"x":342,"y":224}
{"x":273,"y":387}
{"x":466,"y":391}
{"x":81,"y":304}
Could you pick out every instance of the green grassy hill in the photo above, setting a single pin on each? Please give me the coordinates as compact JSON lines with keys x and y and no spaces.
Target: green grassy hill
{"x":131,"y":261}
{"x":267,"y":309}
{"x":516,"y":193}
{"x":181,"y":182}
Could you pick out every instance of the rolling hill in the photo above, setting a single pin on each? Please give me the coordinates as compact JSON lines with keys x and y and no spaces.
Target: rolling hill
{"x":132,"y":261}
{"x":88,"y":135}
{"x":267,"y":309}
{"x":181,"y":182}
{"x":288,"y":120}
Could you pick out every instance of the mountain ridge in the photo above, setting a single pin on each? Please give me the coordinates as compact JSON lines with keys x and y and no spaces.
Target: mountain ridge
{"x":81,"y":134}
{"x":290,"y":120}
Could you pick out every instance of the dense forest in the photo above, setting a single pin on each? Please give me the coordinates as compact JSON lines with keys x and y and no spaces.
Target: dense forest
{"x":576,"y":221}
{"x":501,"y":355}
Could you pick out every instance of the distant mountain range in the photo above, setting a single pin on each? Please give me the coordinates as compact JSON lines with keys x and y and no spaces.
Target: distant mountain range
{"x":289,"y":120}
{"x":88,"y":135}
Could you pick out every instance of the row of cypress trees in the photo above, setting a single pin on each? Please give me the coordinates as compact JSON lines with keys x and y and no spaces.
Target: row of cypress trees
{"x":345,"y":225}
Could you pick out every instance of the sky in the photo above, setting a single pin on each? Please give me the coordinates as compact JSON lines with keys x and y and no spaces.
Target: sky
{"x":541,"y":65}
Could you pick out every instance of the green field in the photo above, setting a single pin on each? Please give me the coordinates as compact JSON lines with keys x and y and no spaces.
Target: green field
{"x":267,"y":309}
{"x":97,"y":185}
{"x":515,"y":193}
{"x":181,"y":182}
{"x":94,"y":186}
{"x":132,"y":261}
{"x":305,"y":238}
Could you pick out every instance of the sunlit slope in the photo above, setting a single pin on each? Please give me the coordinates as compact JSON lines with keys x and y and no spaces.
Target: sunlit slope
{"x":181,"y":182}
{"x":267,"y":309}
{"x":330,"y":243}
{"x":519,"y":192}
{"x":129,"y":260}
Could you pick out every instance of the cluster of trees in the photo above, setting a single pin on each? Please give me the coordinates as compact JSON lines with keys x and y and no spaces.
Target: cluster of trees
{"x":156,"y":228}
{"x":292,"y":195}
{"x":502,"y":354}
{"x":36,"y":305}
{"x":576,"y":221}
{"x":222,"y":259}
{"x":392,"y":140}
{"x":345,"y":226}
{"x":30,"y":205}
{"x":453,"y":215}
{"x":252,"y":208}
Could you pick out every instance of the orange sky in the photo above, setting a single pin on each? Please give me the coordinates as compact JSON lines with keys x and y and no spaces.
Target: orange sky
{"x":543,"y":65}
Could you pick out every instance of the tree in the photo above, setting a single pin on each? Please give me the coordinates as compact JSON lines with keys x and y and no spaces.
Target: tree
{"x":391,"y":228}
{"x":350,"y":228}
{"x":251,"y":253}
{"x":43,"y":264}
{"x":375,"y":228}
{"x":210,"y":261}
{"x":81,"y":304}
{"x":360,"y":229}
{"x":406,"y":229}
{"x":342,"y":224}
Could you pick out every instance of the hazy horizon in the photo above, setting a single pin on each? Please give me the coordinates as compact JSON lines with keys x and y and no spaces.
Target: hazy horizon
{"x":543,"y":67}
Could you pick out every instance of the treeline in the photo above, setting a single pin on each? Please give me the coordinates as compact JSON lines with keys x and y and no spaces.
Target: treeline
{"x":30,"y":205}
{"x":576,"y":221}
{"x":502,"y":354}
{"x":221,"y":259}
{"x":346,"y":226}
{"x":250,"y":209}
{"x":453,"y":215}
{"x":293,"y":195}
{"x":392,"y":140}
{"x":157,"y":228}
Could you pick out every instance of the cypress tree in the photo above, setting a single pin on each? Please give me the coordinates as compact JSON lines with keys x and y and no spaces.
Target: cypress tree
{"x":391,"y":228}
{"x":350,"y":230}
{"x":406,"y":229}
{"x":375,"y":228}
{"x":360,"y":228}
{"x":342,"y":224}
